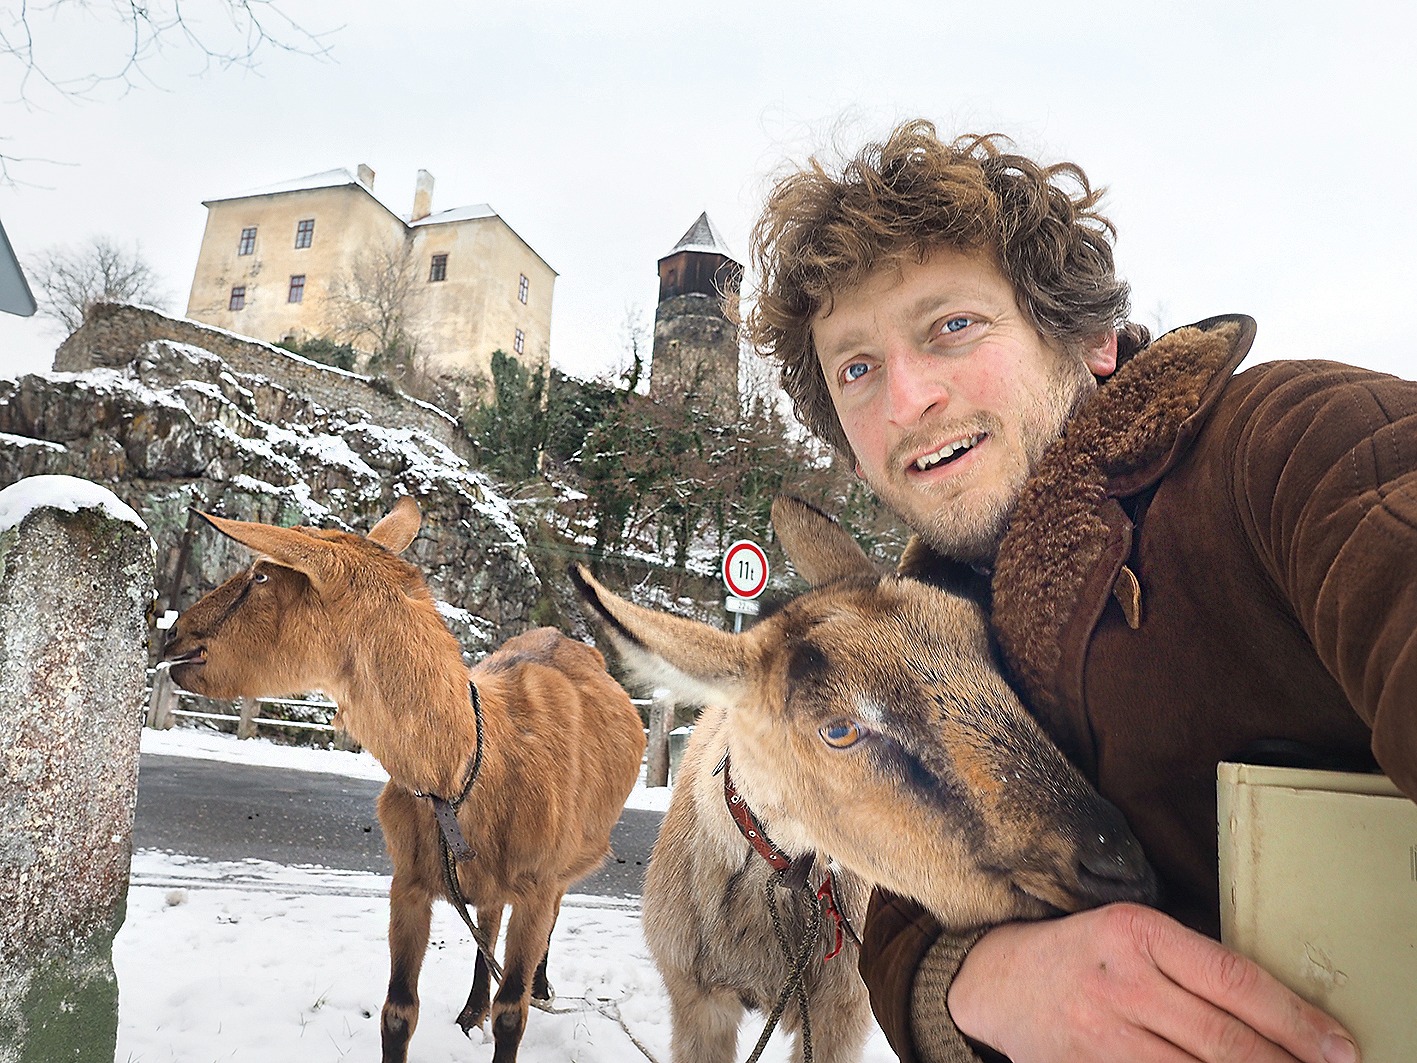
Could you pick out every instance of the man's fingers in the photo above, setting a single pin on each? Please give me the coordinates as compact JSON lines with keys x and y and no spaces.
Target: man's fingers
{"x":1246,"y":992}
{"x":1206,"y":1032}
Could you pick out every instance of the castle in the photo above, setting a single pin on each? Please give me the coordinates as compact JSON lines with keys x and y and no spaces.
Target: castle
{"x":321,"y":257}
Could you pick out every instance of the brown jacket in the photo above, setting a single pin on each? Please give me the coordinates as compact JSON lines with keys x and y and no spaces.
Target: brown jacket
{"x":1205,"y":567}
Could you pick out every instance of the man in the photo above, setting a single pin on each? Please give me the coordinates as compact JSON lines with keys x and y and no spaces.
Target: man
{"x":1185,"y":566}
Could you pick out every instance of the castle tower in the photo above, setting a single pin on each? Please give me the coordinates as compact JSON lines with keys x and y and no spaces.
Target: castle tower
{"x":695,"y":345}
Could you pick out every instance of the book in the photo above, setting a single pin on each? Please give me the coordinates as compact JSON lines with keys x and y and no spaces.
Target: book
{"x":1318,"y":885}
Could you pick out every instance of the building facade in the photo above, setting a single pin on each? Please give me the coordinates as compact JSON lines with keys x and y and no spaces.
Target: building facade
{"x":321,"y":257}
{"x":695,"y":344}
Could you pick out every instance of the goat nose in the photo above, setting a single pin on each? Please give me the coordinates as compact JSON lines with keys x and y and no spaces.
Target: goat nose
{"x":1110,"y":855}
{"x":1110,"y":862}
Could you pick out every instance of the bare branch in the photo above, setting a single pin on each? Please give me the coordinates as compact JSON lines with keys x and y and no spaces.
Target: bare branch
{"x":37,"y":40}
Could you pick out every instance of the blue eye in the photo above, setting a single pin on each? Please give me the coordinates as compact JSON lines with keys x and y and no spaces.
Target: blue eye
{"x":954,"y":324}
{"x":855,"y":371}
{"x":841,"y":734}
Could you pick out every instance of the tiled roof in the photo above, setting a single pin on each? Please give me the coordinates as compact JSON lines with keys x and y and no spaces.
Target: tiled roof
{"x":704,"y":236}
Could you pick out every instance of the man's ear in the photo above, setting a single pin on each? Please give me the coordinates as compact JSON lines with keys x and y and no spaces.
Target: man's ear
{"x":1099,"y":353}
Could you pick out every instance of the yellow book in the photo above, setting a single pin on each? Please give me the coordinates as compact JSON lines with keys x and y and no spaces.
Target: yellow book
{"x":1318,"y":884}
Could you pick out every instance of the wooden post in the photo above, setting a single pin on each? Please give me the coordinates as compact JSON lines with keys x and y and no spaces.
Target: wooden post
{"x":661,"y":719}
{"x":162,"y":700}
{"x":250,"y":709}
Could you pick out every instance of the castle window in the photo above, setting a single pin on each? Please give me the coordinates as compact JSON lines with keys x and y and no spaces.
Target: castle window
{"x":297,"y":289}
{"x":439,"y":270}
{"x":248,"y":241}
{"x":238,"y":298}
{"x":523,"y":286}
{"x":304,"y":232}
{"x":519,"y":342}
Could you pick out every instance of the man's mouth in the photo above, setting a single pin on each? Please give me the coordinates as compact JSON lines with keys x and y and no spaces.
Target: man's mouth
{"x":947,"y":453}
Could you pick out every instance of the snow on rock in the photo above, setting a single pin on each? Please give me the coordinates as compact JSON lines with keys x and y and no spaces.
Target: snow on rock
{"x":68,"y":493}
{"x":256,"y":434}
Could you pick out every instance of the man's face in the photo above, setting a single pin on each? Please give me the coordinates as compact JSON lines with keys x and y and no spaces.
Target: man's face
{"x":947,"y":395}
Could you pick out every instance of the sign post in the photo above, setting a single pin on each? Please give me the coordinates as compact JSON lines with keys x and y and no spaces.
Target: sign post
{"x":745,"y":574}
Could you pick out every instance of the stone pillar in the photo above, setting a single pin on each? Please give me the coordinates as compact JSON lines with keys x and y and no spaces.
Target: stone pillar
{"x":76,"y":580}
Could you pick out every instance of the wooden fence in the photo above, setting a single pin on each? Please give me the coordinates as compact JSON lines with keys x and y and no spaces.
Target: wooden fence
{"x":167,"y":701}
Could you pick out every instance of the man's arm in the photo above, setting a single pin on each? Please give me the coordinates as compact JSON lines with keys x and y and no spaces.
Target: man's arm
{"x":1129,"y":983}
{"x":1326,"y":485}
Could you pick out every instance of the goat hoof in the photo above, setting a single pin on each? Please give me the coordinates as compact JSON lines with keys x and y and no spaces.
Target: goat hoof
{"x":470,"y":1020}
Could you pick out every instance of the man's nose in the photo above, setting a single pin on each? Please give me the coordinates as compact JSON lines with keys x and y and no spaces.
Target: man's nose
{"x":915,"y":384}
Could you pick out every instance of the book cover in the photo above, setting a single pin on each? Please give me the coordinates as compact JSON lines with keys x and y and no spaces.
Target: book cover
{"x":1318,"y":884}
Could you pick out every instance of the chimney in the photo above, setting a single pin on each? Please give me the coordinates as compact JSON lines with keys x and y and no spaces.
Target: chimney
{"x":422,"y":196}
{"x":366,"y":176}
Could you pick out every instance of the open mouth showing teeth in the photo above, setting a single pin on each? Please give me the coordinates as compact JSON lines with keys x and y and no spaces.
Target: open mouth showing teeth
{"x":949,"y":452}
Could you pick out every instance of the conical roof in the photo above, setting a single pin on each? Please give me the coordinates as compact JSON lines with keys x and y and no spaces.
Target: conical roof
{"x":703,"y":236}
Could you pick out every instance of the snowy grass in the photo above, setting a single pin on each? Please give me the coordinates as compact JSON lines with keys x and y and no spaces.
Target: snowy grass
{"x":260,"y":962}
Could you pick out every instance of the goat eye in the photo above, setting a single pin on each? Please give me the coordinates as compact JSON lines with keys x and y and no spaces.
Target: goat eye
{"x":259,"y":577}
{"x":842,"y":734}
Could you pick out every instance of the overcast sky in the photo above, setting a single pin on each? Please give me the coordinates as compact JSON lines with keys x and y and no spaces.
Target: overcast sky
{"x":1260,"y":157}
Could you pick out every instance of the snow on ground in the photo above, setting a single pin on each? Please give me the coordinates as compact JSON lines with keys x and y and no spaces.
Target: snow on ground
{"x":259,"y":962}
{"x":203,"y":744}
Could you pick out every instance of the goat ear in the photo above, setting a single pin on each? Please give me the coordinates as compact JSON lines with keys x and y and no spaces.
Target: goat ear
{"x":691,"y":658}
{"x":818,"y":547}
{"x":398,"y":527}
{"x":285,"y":546}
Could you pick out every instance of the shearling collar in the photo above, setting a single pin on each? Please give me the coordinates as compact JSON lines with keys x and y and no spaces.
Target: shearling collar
{"x":1068,"y":531}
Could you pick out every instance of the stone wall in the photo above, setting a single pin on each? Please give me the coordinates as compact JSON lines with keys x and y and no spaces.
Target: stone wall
{"x":115,"y":334}
{"x":74,"y":591}
{"x":244,"y":430}
{"x":695,"y":355}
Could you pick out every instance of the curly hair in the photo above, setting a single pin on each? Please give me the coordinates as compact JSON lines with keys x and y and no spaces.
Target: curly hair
{"x":822,"y":233}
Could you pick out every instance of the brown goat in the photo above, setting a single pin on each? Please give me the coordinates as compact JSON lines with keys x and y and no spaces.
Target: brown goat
{"x":867,"y":720}
{"x":709,"y":929}
{"x":562,"y":743}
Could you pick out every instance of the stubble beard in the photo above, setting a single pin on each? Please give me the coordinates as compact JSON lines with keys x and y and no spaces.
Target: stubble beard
{"x":969,"y":528}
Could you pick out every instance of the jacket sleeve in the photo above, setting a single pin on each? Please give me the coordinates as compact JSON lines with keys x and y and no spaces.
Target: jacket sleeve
{"x":908,"y":962}
{"x":1325,"y":473}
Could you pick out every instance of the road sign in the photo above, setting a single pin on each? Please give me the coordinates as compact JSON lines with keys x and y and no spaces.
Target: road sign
{"x":745,"y":569}
{"x":741,"y":605}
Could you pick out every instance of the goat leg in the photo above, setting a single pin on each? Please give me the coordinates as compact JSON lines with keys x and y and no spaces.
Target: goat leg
{"x":474,"y":1012}
{"x":542,"y":992}
{"x":410,"y":915}
{"x":528,"y":931}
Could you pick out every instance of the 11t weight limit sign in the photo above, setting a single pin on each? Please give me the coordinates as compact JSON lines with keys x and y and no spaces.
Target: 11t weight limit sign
{"x":745,"y":569}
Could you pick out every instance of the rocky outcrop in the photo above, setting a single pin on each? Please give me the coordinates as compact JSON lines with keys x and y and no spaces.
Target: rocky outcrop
{"x":254,"y":433}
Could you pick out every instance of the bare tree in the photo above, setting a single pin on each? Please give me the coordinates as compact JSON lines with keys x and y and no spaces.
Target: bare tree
{"x":632,"y":371}
{"x":374,"y":303}
{"x":72,"y":280}
{"x":374,"y":307}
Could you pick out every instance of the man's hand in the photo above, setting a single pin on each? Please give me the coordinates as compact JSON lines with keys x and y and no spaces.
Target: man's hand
{"x":1127,"y":983}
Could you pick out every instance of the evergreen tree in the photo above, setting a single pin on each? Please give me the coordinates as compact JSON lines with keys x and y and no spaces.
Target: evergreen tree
{"x":510,"y":430}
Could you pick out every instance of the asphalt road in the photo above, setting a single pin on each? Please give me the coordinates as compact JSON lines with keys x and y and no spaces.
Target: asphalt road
{"x":222,"y":811}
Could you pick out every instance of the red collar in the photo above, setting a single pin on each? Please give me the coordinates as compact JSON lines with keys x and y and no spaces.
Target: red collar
{"x":794,"y":872}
